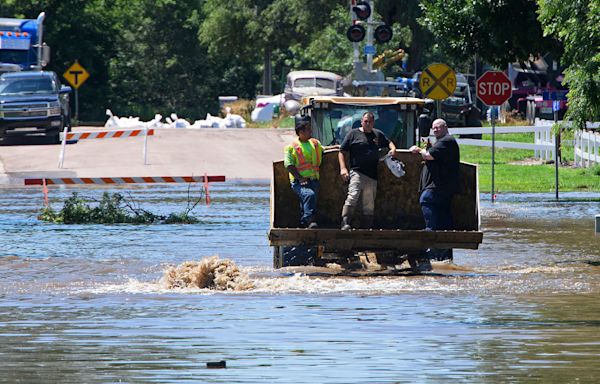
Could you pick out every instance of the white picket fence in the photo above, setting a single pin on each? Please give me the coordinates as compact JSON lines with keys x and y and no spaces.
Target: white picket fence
{"x":587,"y":144}
{"x":543,"y":145}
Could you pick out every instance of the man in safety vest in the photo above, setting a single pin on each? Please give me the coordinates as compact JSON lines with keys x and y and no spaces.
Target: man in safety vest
{"x":302,"y":160}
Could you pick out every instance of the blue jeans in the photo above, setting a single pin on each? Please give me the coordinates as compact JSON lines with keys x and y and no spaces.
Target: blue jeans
{"x":436,"y":207}
{"x":308,"y":199}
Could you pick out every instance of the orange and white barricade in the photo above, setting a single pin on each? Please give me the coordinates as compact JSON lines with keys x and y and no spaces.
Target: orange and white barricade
{"x":66,"y":136}
{"x":123,"y":180}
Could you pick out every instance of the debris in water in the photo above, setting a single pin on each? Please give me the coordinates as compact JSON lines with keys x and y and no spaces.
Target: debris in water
{"x":210,"y":272}
{"x":216,"y":364}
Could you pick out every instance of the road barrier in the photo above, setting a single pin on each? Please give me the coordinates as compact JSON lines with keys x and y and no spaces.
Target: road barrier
{"x":44,"y":182}
{"x":107,"y":134}
{"x":68,"y":136}
{"x":124,"y":180}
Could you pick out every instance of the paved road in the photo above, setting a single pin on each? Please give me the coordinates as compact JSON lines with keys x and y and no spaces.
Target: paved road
{"x":235,"y":153}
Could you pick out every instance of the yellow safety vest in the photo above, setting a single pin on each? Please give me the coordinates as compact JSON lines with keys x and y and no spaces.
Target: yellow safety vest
{"x":305,"y":168}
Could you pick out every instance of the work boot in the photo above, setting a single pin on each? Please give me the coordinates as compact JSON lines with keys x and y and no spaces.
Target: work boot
{"x":312,"y":222}
{"x":346,"y":217}
{"x":368,"y":221}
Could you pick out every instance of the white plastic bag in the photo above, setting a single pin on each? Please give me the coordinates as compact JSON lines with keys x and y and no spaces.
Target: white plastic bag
{"x":394,"y":165}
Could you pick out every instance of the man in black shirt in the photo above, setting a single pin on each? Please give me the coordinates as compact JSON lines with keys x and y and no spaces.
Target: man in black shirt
{"x":362,"y":147}
{"x":439,"y":178}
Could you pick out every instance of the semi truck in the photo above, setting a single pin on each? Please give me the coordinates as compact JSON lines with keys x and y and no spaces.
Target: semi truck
{"x":21,"y":44}
{"x":397,"y":236}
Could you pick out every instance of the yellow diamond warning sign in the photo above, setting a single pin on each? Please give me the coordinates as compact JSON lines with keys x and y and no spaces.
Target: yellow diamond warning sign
{"x":76,"y":75}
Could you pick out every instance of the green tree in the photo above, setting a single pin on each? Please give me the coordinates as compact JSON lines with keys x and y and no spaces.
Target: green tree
{"x":328,"y":49}
{"x":160,"y":65}
{"x":499,"y":32}
{"x":577,"y":25}
{"x":419,"y":42}
{"x":259,"y":29}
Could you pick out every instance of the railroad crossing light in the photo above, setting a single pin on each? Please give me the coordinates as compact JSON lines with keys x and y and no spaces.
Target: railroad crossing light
{"x":356,"y":33}
{"x":383,"y":33}
{"x":362,"y":9}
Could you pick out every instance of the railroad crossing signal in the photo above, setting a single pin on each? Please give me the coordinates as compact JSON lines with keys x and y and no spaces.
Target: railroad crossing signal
{"x":361,"y":13}
{"x":362,"y":9}
{"x":494,"y":88}
{"x":76,"y":75}
{"x":438,"y":81}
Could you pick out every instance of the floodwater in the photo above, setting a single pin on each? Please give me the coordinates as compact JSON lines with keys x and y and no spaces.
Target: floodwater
{"x":86,"y":304}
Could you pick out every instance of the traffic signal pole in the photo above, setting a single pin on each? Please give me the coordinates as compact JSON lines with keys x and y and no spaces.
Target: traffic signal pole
{"x":355,"y":44}
{"x":370,"y":37}
{"x":361,"y":13}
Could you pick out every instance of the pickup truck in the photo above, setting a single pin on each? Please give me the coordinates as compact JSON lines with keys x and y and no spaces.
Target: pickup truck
{"x":33,"y":105}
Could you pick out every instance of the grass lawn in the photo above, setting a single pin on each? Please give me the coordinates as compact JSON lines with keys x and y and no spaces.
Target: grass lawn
{"x":517,"y":171}
{"x":280,"y":122}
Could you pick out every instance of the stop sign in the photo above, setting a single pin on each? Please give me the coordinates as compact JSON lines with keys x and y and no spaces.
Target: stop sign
{"x":494,"y":88}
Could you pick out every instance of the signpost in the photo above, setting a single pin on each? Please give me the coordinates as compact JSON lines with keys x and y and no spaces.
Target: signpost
{"x":557,"y":97}
{"x":555,"y":109}
{"x":438,"y":82}
{"x":493,"y":89}
{"x":76,"y":75}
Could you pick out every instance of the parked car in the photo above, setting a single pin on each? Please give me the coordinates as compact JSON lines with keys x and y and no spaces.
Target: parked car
{"x":33,"y":104}
{"x":312,"y":83}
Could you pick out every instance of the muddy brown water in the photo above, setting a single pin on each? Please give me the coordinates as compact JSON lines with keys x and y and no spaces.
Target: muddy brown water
{"x":88,"y":303}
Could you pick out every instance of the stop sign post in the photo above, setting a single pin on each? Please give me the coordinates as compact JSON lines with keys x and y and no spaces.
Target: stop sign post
{"x":493,"y":89}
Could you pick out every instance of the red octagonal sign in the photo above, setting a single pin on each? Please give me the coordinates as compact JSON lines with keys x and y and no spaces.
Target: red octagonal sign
{"x":494,"y":88}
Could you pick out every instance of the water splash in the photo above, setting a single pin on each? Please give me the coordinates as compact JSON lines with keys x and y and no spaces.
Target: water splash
{"x":210,"y":272}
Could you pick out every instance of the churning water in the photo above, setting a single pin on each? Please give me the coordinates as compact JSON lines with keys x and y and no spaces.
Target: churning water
{"x":94,"y":303}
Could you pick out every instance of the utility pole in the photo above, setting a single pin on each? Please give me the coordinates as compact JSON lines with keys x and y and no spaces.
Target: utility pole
{"x":370,"y":38}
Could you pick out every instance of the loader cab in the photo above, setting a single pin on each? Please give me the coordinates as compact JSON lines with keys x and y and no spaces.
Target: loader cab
{"x":334,"y":117}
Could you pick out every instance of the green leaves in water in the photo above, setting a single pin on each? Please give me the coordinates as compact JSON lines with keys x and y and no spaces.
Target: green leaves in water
{"x":112,"y":209}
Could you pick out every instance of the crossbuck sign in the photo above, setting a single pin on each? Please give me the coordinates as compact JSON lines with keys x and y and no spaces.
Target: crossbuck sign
{"x":438,"y":81}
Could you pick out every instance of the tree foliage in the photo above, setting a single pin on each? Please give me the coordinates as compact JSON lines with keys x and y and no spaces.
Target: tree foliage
{"x":419,"y":42}
{"x":160,"y":65}
{"x":262,"y":29}
{"x":577,"y":25}
{"x":113,"y":208}
{"x":499,"y":32}
{"x":165,"y":56}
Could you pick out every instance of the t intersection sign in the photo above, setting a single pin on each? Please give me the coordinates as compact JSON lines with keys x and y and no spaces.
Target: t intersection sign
{"x":76,"y":75}
{"x":494,"y":88}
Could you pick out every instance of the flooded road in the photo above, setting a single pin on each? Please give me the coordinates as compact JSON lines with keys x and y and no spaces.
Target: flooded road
{"x":85,"y":303}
